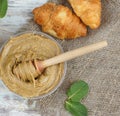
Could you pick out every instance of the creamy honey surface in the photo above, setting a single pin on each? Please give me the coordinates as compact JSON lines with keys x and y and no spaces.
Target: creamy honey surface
{"x":24,"y":48}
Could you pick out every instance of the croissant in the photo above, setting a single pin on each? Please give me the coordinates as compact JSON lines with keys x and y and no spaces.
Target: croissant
{"x":88,"y":10}
{"x":59,"y":21}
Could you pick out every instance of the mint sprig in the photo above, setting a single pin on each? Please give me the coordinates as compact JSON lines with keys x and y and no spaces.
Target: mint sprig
{"x":3,"y":8}
{"x":76,"y":93}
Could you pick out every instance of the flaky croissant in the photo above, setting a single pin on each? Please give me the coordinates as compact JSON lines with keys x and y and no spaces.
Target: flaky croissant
{"x":59,"y":21}
{"x":88,"y":10}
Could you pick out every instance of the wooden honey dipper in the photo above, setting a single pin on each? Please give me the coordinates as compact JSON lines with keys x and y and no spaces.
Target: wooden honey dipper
{"x":28,"y":71}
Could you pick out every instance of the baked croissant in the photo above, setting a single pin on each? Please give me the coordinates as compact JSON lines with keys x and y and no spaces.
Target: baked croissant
{"x":59,"y":21}
{"x":88,"y":10}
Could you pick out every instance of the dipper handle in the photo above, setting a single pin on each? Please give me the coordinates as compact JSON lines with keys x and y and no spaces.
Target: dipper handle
{"x":74,"y":53}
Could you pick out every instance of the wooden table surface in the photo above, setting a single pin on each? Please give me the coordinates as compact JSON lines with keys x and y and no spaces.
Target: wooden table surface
{"x":101,"y":70}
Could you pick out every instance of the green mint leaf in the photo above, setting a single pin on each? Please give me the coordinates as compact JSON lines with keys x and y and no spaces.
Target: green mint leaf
{"x":78,"y":91}
{"x":76,"y":108}
{"x":3,"y":7}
